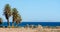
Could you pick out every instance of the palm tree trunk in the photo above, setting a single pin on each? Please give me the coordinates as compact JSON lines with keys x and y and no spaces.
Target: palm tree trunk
{"x":8,"y":22}
{"x":13,"y":23}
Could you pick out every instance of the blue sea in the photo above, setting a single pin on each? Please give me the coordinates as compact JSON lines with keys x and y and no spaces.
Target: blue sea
{"x":34,"y":23}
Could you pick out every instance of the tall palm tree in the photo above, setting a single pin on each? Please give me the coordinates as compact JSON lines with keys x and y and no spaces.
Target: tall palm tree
{"x":16,"y":16}
{"x":7,"y":12}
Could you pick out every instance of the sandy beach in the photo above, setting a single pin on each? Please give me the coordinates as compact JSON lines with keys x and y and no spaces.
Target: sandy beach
{"x":22,"y":29}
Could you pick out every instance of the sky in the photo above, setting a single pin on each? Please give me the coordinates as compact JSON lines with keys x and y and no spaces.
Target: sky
{"x":34,"y":10}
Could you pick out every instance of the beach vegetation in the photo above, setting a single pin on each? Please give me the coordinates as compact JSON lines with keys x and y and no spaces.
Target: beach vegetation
{"x":7,"y":12}
{"x":16,"y":16}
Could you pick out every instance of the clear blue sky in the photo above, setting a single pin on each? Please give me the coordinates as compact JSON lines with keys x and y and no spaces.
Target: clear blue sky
{"x":34,"y":10}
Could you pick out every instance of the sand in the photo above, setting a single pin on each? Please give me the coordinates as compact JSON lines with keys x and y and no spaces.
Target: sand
{"x":16,"y":30}
{"x":22,"y":29}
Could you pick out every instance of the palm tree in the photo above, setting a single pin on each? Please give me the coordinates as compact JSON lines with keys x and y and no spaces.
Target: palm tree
{"x":16,"y":16}
{"x":0,"y":20}
{"x":18,"y":19}
{"x":7,"y":12}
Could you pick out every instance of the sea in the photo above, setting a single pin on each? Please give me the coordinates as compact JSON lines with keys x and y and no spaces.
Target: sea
{"x":33,"y":23}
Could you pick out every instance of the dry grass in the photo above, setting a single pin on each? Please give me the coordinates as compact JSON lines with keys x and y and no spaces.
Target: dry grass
{"x":22,"y":29}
